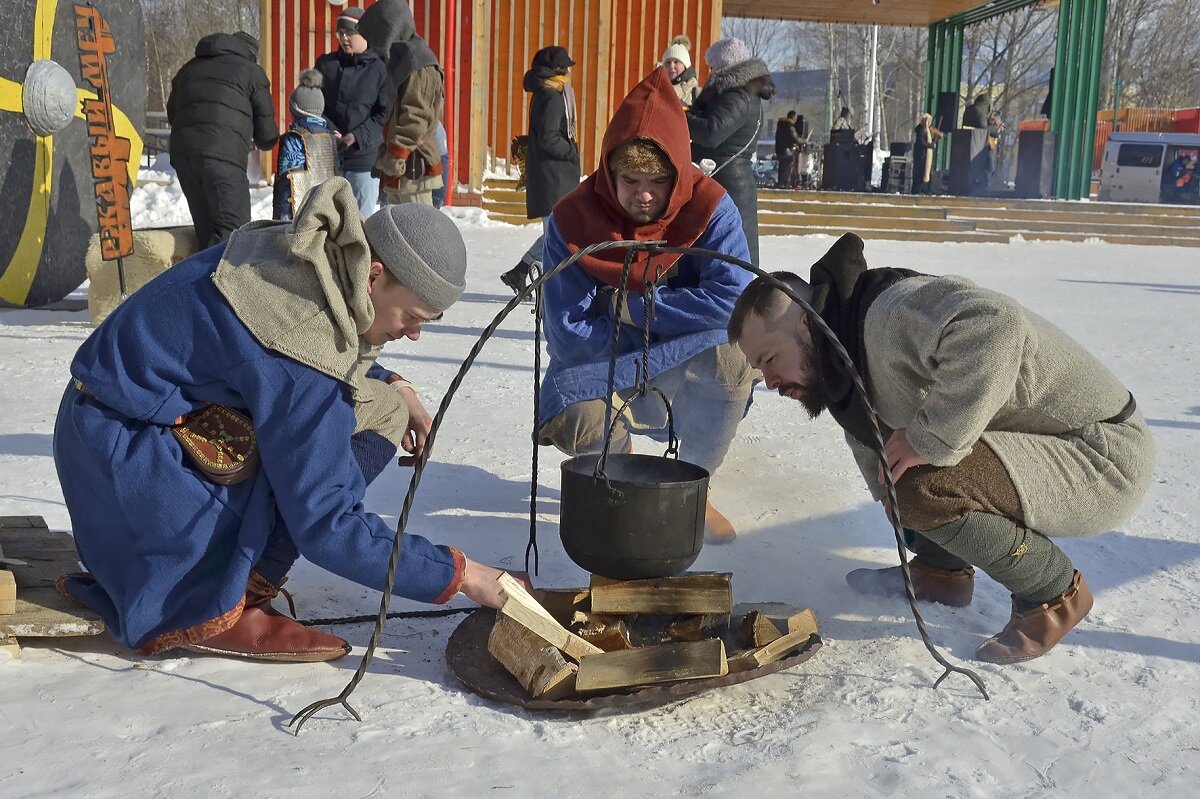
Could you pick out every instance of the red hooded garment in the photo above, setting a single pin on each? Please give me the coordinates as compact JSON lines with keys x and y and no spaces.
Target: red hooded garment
{"x":591,"y":213}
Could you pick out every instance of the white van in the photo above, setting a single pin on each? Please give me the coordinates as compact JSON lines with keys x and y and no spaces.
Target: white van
{"x":1134,"y":163}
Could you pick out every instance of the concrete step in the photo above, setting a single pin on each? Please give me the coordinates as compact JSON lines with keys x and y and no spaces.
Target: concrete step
{"x":1108,"y":238}
{"x":510,"y":219}
{"x":890,"y":235}
{"x":832,"y":208}
{"x":856,"y":219}
{"x":1106,"y":228}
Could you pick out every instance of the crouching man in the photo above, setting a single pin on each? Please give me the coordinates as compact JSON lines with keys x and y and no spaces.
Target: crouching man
{"x":646,"y":189}
{"x":1001,"y":432}
{"x":281,"y":326}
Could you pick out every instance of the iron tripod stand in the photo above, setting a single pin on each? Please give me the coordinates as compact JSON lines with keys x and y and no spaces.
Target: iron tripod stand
{"x":534,"y":288}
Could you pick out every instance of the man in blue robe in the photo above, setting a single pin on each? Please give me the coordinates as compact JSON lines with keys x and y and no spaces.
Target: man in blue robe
{"x":281,"y":324}
{"x":648,"y":190}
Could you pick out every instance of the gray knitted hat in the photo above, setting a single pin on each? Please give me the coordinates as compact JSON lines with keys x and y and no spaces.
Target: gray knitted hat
{"x":727,"y":52}
{"x":423,"y":249}
{"x":308,"y":99}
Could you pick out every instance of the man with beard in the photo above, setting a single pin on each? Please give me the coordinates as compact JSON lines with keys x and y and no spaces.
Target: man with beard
{"x":1002,"y":432}
{"x":646,"y":189}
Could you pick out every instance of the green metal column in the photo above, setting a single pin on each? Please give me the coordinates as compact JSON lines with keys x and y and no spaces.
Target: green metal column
{"x":1076,"y":94}
{"x":943,"y":74}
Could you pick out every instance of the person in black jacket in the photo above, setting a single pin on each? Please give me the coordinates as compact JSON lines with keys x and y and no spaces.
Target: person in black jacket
{"x":787,"y":148}
{"x":552,"y":158}
{"x":220,"y":103}
{"x":725,"y":123}
{"x":356,"y":102}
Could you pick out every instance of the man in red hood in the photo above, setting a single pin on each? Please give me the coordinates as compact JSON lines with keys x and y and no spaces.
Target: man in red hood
{"x":647,"y":190}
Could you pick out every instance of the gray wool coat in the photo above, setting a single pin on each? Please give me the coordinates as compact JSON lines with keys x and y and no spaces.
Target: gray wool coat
{"x":954,"y":363}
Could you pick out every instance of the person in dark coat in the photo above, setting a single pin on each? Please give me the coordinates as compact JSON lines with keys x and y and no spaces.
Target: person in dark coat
{"x":725,"y":123}
{"x":220,"y":103}
{"x":552,"y":158}
{"x":356,"y":102}
{"x":787,"y":149}
{"x":977,"y":113}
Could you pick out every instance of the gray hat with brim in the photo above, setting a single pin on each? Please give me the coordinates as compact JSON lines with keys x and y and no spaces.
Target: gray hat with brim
{"x":423,"y":249}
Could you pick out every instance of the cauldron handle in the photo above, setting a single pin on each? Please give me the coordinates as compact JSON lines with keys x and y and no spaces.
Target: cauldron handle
{"x":672,"y":439}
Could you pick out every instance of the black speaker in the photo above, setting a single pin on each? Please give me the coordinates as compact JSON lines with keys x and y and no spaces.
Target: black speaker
{"x":945,"y":118}
{"x":969,"y":157}
{"x":899,"y":147}
{"x":843,"y":167}
{"x":1035,"y":164}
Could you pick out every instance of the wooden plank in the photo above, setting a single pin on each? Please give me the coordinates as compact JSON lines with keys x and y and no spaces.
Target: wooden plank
{"x":690,"y":594}
{"x":525,"y":610}
{"x":651,"y":665}
{"x":801,"y":627}
{"x":39,"y":610}
{"x":538,"y":666}
{"x":45,"y":613}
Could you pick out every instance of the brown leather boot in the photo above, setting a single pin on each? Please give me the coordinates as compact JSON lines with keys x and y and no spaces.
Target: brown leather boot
{"x":263,"y":633}
{"x":949,"y":587}
{"x":717,"y":529}
{"x":1035,"y":632}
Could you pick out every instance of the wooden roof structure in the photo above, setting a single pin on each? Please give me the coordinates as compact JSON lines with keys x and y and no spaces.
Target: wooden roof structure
{"x":865,"y":12}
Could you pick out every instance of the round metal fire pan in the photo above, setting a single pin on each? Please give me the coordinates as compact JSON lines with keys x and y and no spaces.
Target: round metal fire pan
{"x":468,"y":658}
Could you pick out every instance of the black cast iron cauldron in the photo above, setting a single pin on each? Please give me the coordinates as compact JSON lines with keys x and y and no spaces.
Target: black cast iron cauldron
{"x":646,"y":521}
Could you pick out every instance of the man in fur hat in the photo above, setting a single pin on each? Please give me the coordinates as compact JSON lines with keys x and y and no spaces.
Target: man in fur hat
{"x":409,"y":162}
{"x":1001,"y":432}
{"x":646,"y":189}
{"x":278,"y":329}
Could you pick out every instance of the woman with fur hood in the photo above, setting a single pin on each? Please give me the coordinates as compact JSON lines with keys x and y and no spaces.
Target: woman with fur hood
{"x":725,"y":123}
{"x":677,"y":61}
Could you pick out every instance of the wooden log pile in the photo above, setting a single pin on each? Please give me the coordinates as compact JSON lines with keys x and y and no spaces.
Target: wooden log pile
{"x":625,"y":634}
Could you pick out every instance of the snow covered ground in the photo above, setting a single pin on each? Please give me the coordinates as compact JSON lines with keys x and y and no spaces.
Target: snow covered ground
{"x":1111,"y":712}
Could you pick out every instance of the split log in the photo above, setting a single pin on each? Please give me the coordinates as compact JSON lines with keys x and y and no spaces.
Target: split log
{"x":651,"y":665}
{"x":611,"y":635}
{"x":524,"y":609}
{"x":537,"y":665}
{"x":8,"y":591}
{"x":696,"y":628}
{"x":692,"y":594}
{"x":562,"y":604}
{"x":757,"y":629}
{"x":801,"y":627}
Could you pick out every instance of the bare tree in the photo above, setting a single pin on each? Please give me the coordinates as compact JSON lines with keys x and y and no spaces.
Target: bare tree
{"x":767,"y":39}
{"x":173,"y":27}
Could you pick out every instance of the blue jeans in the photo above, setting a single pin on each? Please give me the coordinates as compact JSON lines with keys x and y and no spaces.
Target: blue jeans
{"x":439,"y":195}
{"x":709,"y":395}
{"x":366,"y":191}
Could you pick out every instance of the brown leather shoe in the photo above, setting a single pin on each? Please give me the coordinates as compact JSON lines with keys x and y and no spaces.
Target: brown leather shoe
{"x":717,"y":529}
{"x":263,"y":633}
{"x":1035,"y":632}
{"x":949,"y":587}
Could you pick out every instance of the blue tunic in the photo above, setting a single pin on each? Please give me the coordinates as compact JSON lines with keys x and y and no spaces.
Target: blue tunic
{"x":169,"y":549}
{"x":691,"y":313}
